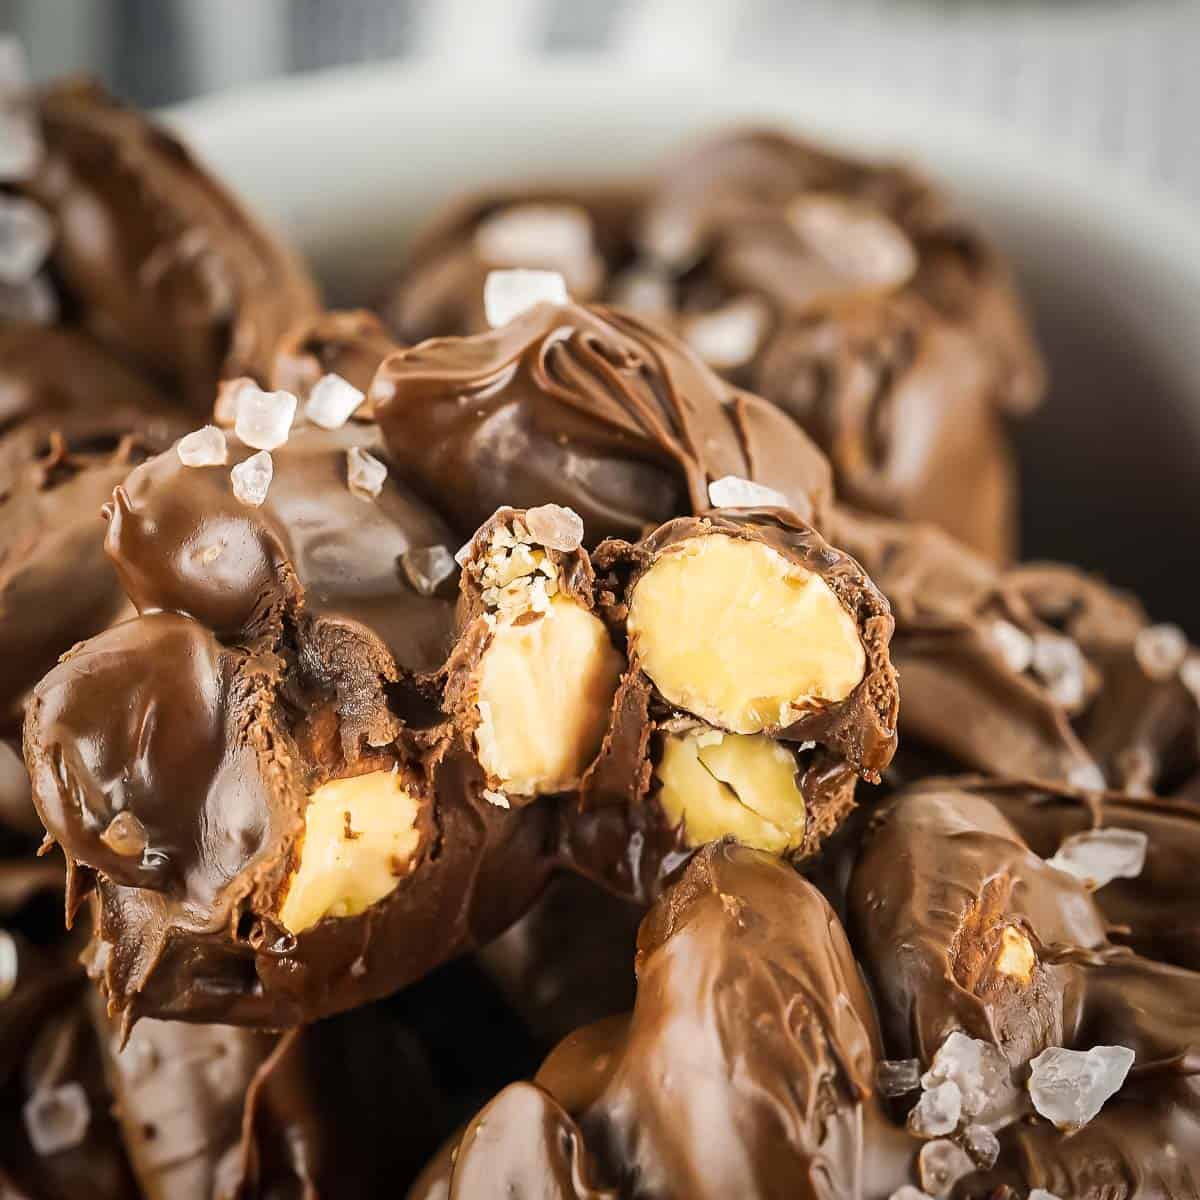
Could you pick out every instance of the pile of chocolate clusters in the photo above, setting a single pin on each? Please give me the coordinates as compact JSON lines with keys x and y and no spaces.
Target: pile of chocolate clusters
{"x":581,"y":732}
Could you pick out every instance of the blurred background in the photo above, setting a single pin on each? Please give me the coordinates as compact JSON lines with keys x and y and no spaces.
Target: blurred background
{"x":1120,"y":80}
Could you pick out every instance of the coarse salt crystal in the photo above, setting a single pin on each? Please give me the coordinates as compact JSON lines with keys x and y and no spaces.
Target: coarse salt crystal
{"x":937,"y":1112}
{"x":941,"y":1165}
{"x":555,"y":527}
{"x":26,"y":236}
{"x":252,"y":478}
{"x":728,"y":336}
{"x":1058,"y":662}
{"x":203,"y":448}
{"x":1098,"y":856}
{"x":57,"y":1118}
{"x":507,"y":294}
{"x":552,"y":236}
{"x":1087,"y":776}
{"x":731,"y":491}
{"x":982,"y":1145}
{"x":980,"y":1071}
{"x":264,"y":419}
{"x":1069,"y":1087}
{"x":1160,"y":650}
{"x":897,"y":1076}
{"x":427,"y":567}
{"x":365,"y":474}
{"x":332,"y":401}
{"x":499,"y":799}
{"x":1013,"y":644}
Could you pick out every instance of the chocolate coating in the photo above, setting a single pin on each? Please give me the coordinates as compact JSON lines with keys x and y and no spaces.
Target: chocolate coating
{"x":588,"y":408}
{"x":271,"y":645}
{"x":152,"y":255}
{"x":440,"y":292}
{"x":212,"y":1110}
{"x":688,"y":1097}
{"x":1108,"y":720}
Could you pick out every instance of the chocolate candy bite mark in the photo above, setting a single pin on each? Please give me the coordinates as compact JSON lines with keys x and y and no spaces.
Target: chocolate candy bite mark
{"x":786,"y":645}
{"x":264,"y":837}
{"x":749,"y":621}
{"x":586,"y":408}
{"x":534,"y":673}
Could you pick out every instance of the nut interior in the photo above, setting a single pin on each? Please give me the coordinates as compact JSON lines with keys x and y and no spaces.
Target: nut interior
{"x":360,"y":837}
{"x":732,"y":632}
{"x":546,"y":685}
{"x":1016,"y":958}
{"x":745,"y":785}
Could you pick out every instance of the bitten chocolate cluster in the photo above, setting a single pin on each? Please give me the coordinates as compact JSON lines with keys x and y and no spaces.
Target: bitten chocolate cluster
{"x":581,"y":733}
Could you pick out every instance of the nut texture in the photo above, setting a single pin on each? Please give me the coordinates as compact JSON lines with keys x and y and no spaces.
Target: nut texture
{"x":735,"y":634}
{"x":546,"y":687}
{"x":720,"y":784}
{"x":359,"y":839}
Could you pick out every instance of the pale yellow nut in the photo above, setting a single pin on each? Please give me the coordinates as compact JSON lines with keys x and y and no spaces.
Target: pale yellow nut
{"x":1016,"y":958}
{"x":731,"y":631}
{"x":360,"y":835}
{"x":545,"y":690}
{"x":721,"y":784}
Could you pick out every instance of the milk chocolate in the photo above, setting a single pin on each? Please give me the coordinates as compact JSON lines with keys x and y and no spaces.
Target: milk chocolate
{"x":962,"y":928}
{"x":213,"y":1110}
{"x":440,"y":290}
{"x":589,"y":408}
{"x":152,"y":256}
{"x":274,"y":650}
{"x":1039,"y":671}
{"x":746,"y":1067}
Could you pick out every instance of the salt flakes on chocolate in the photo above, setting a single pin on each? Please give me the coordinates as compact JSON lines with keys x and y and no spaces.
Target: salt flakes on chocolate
{"x":264,"y":419}
{"x":1069,"y":1087}
{"x":730,"y":491}
{"x":203,"y":448}
{"x":507,"y":294}
{"x":365,"y":474}
{"x":252,"y":479}
{"x":332,"y":402}
{"x":1098,"y":856}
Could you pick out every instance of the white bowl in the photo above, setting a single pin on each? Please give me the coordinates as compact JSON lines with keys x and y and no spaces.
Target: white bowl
{"x":346,"y":162}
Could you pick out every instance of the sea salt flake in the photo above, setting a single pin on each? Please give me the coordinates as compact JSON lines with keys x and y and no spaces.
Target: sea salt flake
{"x":1098,"y":856}
{"x":203,"y":448}
{"x":9,"y":964}
{"x":937,"y":1112}
{"x":33,"y":301}
{"x":264,"y":419}
{"x":555,"y":527}
{"x":57,"y":1118}
{"x":1160,"y":650}
{"x":551,"y":236}
{"x":981,"y":1073}
{"x":332,"y":401}
{"x":731,"y":491}
{"x":365,"y":474}
{"x":462,"y":554}
{"x":1060,"y":665}
{"x":898,"y":1076}
{"x":426,"y":567}
{"x":982,"y":1145}
{"x":507,"y":294}
{"x":941,"y":1165}
{"x":1069,"y":1087}
{"x":1014,"y":645}
{"x":1087,"y":776}
{"x":729,"y":336}
{"x":499,"y":799}
{"x":252,"y":479}
{"x":26,"y":236}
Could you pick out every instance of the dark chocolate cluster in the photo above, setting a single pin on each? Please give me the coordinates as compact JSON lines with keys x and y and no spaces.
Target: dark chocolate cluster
{"x":587,"y":721}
